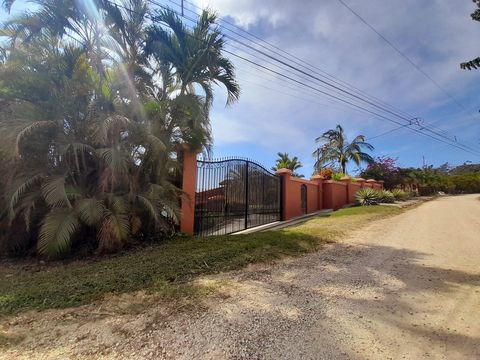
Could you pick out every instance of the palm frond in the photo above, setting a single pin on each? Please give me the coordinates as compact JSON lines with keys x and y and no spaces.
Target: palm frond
{"x":28,"y":130}
{"x":53,"y":191}
{"x":90,"y":211}
{"x":57,"y":231}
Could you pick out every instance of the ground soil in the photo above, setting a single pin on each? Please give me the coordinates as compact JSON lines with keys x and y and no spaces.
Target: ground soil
{"x":406,"y":287}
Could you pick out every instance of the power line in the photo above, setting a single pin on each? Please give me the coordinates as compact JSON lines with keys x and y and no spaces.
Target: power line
{"x":384,"y":106}
{"x":387,"y":132}
{"x":401,"y":53}
{"x":311,"y":87}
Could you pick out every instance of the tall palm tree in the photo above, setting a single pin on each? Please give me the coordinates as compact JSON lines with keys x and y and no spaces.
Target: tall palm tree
{"x":195,"y":55}
{"x":284,"y":162}
{"x":335,"y":148}
{"x":89,"y":118}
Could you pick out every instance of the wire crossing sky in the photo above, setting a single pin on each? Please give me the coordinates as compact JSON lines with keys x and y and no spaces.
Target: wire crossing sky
{"x":305,"y":68}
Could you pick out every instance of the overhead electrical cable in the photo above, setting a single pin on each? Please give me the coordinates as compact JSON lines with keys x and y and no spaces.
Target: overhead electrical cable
{"x":343,"y":100}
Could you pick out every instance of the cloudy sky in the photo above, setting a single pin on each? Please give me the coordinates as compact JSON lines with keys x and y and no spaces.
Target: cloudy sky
{"x":275,"y":114}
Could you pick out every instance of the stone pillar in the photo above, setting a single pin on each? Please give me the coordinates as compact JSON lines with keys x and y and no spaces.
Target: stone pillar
{"x":361,"y":181}
{"x":319,"y":180}
{"x":347,"y":180}
{"x":189,"y":186}
{"x":371,"y":182}
{"x":287,"y":201}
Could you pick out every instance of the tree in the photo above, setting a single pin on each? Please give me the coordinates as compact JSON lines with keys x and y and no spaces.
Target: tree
{"x":284,"y":162}
{"x":475,"y":63}
{"x":89,"y":120}
{"x":383,"y":168}
{"x":195,"y":59}
{"x":335,"y":149}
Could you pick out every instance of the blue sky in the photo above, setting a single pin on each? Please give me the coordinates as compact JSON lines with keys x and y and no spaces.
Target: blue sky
{"x":272,"y":116}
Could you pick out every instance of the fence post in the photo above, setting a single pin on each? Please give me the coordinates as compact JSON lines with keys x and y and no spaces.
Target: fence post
{"x":319,"y":180}
{"x":347,"y":180}
{"x":189,"y":185}
{"x":285,"y":175}
{"x":246,"y":194}
{"x":361,"y":181}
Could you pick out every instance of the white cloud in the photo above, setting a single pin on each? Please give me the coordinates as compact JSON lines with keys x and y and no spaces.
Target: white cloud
{"x":437,"y":35}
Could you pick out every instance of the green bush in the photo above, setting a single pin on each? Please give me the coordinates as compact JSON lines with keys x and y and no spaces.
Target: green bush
{"x":386,"y":196}
{"x":338,"y":176}
{"x":400,"y":195}
{"x":367,"y":196}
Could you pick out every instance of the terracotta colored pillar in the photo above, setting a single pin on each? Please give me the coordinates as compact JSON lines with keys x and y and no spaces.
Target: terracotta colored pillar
{"x":347,"y":180}
{"x":361,"y":181}
{"x":371,"y":182}
{"x":287,"y":202}
{"x":189,"y":186}
{"x":319,"y":180}
{"x":381,"y":184}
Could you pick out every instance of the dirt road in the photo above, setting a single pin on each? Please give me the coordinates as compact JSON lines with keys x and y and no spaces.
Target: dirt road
{"x":406,"y":287}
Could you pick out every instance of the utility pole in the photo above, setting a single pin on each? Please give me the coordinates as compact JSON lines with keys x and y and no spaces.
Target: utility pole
{"x":423,"y":157}
{"x":182,"y":8}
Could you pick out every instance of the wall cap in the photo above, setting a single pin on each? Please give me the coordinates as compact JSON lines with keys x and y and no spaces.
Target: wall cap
{"x":335,"y":182}
{"x":361,"y":180}
{"x":284,"y":171}
{"x":346,"y":178}
{"x":371,"y":180}
{"x":317,"y":177}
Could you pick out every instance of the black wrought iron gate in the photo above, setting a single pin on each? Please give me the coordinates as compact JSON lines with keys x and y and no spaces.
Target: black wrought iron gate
{"x":234,"y":195}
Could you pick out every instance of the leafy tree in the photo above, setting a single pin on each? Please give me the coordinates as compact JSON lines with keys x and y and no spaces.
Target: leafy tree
{"x":383,"y":168}
{"x":89,"y":119}
{"x":284,"y":162}
{"x":475,"y":63}
{"x":194,"y":58}
{"x":335,"y":149}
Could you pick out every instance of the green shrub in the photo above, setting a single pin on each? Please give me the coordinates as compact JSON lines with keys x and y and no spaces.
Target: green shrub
{"x":400,"y":195}
{"x":367,"y":196}
{"x":385,"y":196}
{"x":338,"y":176}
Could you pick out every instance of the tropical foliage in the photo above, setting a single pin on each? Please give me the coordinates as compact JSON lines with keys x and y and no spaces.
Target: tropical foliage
{"x":285,"y":162}
{"x":428,"y":180}
{"x":400,"y":195}
{"x":367,"y":197}
{"x":475,"y":63}
{"x":95,"y":102}
{"x":370,"y":196}
{"x":326,"y":173}
{"x":383,"y":168}
{"x":335,"y":149}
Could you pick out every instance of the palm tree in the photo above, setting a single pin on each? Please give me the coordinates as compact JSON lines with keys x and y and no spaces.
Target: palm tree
{"x":284,"y":162}
{"x":335,"y":149}
{"x":194,"y":59}
{"x":89,"y":119}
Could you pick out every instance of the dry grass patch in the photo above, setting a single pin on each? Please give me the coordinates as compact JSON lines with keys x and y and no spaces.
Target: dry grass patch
{"x":166,"y":272}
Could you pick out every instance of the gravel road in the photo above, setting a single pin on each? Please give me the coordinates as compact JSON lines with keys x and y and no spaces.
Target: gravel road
{"x":406,"y":287}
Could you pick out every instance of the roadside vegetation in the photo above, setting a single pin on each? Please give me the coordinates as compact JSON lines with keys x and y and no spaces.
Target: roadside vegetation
{"x":427,"y":180}
{"x":166,"y":270}
{"x":96,"y":101}
{"x":334,"y":150}
{"x":369,"y":196}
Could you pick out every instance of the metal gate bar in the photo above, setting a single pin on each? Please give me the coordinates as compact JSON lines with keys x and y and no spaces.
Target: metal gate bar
{"x":233,"y":195}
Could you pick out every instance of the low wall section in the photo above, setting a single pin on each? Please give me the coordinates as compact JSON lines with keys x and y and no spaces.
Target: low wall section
{"x":320,"y":193}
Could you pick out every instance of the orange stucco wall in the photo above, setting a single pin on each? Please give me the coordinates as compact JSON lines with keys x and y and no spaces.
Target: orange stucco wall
{"x":321,"y":194}
{"x":291,"y":195}
{"x":353,"y":187}
{"x":189,"y":185}
{"x":334,"y":194}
